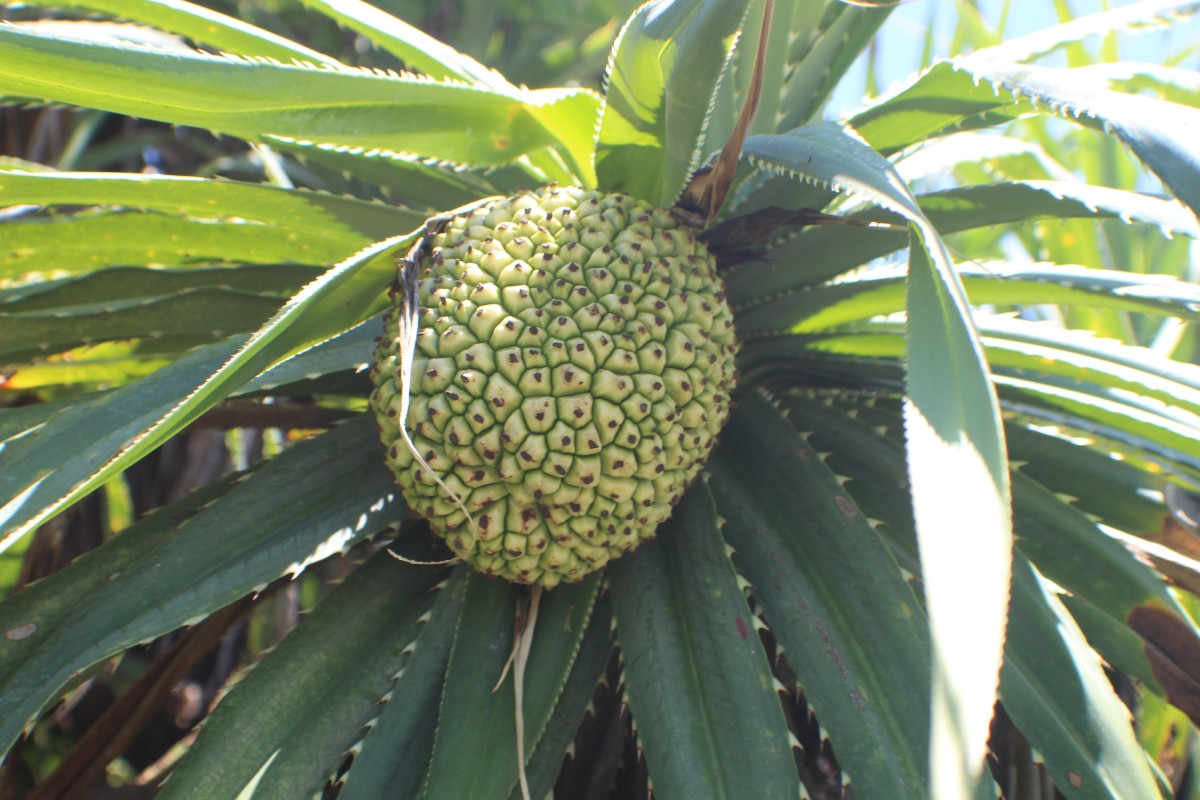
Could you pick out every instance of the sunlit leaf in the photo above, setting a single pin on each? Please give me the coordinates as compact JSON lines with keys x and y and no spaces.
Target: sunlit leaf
{"x":204,"y":25}
{"x":663,"y":74}
{"x":973,"y":92}
{"x":134,"y":420}
{"x":344,"y":107}
{"x":954,"y":439}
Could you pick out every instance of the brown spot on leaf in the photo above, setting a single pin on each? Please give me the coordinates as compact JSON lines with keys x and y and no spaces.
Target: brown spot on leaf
{"x":21,"y":632}
{"x":846,"y":506}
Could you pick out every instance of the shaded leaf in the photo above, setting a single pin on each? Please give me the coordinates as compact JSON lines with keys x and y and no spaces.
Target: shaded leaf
{"x":123,"y":283}
{"x":595,"y":650}
{"x":395,"y":751}
{"x":1101,"y":484}
{"x":121,"y":723}
{"x":350,"y":350}
{"x":286,"y":725}
{"x":1055,"y":689}
{"x":475,"y":752}
{"x":699,"y":685}
{"x":162,"y":574}
{"x":848,"y":623}
{"x":199,"y":313}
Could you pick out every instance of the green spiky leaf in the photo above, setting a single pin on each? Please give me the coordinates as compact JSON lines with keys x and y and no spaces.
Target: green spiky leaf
{"x":662,"y":77}
{"x":693,"y":656}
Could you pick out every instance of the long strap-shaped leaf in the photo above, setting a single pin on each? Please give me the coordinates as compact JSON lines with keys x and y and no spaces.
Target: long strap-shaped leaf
{"x":139,"y":417}
{"x":979,"y":92}
{"x":822,"y":57}
{"x":1132,"y":426}
{"x":76,"y":244}
{"x":834,"y":596}
{"x":286,"y":726}
{"x":126,"y":283}
{"x":1103,"y":579}
{"x":105,"y":365}
{"x":394,"y":755}
{"x":663,"y":76}
{"x":699,"y":685}
{"x":1075,"y":358}
{"x":818,"y":254}
{"x":1055,"y":689}
{"x":1149,"y":431}
{"x":1112,"y":491}
{"x":164,"y":573}
{"x":574,"y":703}
{"x":475,"y":753}
{"x":881,"y":292}
{"x":350,"y":350}
{"x":417,"y":49}
{"x":955,"y":439}
{"x":199,"y":314}
{"x":289,"y":212}
{"x":1049,"y":681}
{"x":343,"y":107}
{"x":205,"y":26}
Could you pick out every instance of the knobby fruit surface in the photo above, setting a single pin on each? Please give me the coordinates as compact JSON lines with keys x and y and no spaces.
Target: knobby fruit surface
{"x":573,"y":367}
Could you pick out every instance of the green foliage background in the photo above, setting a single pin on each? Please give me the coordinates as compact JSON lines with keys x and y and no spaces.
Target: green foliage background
{"x":962,"y":474}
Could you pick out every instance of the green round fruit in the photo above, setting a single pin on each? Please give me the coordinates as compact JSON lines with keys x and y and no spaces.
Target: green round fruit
{"x":573,"y":366}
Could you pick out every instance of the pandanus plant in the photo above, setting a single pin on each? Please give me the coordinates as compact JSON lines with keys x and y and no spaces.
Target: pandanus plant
{"x":800,"y":496}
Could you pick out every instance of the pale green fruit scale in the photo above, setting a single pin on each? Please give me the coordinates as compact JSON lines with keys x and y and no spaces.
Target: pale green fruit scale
{"x":573,"y":366}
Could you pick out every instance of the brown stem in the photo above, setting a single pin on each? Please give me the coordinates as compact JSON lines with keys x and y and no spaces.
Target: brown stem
{"x":117,"y":727}
{"x":249,"y":414}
